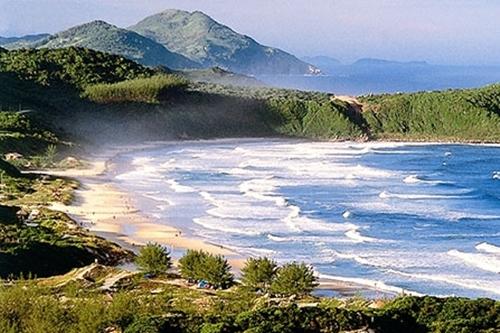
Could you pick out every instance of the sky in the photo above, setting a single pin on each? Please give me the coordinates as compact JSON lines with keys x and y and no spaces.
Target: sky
{"x":461,"y":32}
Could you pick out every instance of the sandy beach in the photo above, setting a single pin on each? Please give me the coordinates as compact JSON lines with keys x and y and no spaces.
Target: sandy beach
{"x":107,"y":211}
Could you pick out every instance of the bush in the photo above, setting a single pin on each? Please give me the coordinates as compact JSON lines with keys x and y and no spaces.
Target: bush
{"x":200,"y":265}
{"x":259,"y":273}
{"x":294,"y":279}
{"x":191,"y":264}
{"x":153,"y":259}
{"x":217,"y":271}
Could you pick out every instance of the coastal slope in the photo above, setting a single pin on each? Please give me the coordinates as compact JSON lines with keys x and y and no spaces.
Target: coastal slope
{"x":206,"y":41}
{"x":102,"y":36}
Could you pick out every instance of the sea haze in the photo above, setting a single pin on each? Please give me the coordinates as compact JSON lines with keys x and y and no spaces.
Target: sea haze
{"x":419,"y":218}
{"x":362,"y":78}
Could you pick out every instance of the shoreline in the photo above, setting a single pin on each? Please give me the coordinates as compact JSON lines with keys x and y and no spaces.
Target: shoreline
{"x":104,"y":209}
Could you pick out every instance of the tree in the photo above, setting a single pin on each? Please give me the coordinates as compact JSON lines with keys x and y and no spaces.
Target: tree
{"x":217,"y":271}
{"x":294,"y":279}
{"x":259,"y":273}
{"x":190,"y":265}
{"x":153,"y":259}
{"x":200,"y":265}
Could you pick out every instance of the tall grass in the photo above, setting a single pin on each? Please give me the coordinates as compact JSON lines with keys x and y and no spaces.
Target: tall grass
{"x":151,"y":90}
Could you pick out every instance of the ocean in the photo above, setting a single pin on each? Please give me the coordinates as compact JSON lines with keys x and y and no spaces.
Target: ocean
{"x":423,"y":218}
{"x":377,"y":79}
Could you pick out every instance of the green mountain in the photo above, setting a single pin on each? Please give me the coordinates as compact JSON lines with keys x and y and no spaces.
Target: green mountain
{"x":218,"y":75}
{"x":21,"y":42}
{"x":104,"y":37}
{"x":202,"y":39}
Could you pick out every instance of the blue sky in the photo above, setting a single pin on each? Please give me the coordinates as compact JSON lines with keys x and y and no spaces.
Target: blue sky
{"x":439,"y":31}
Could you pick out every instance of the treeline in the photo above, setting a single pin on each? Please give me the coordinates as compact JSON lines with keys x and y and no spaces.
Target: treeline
{"x":99,"y":84}
{"x":458,"y":115}
{"x":74,"y":66}
{"x":142,"y":306}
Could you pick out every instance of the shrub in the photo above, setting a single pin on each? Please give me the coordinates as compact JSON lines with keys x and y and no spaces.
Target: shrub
{"x":294,"y":279}
{"x":153,"y":259}
{"x":200,"y":265}
{"x":259,"y":273}
{"x":217,"y":271}
{"x":190,"y":265}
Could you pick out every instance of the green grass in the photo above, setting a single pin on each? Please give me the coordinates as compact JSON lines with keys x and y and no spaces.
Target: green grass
{"x":152,"y":90}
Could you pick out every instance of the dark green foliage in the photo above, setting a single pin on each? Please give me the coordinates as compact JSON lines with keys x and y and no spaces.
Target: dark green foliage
{"x":9,"y":170}
{"x":190,"y":265}
{"x":290,"y":319}
{"x":258,"y":273}
{"x":153,"y":259}
{"x":451,"y":115}
{"x":200,"y":265}
{"x":26,"y":307}
{"x":73,"y":66}
{"x":12,"y":121}
{"x":217,"y":271}
{"x":151,"y":90}
{"x":443,"y":315}
{"x":294,"y":279}
{"x":104,"y":37}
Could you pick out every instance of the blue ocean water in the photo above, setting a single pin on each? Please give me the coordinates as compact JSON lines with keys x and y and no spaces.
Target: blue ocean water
{"x":413,"y":217}
{"x":377,"y":79}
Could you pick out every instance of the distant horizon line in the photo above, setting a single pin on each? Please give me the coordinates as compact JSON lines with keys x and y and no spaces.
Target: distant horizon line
{"x":299,"y":55}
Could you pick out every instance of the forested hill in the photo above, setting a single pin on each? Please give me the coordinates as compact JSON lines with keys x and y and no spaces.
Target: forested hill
{"x":85,"y":96}
{"x":101,"y":36}
{"x":175,"y":39}
{"x":210,"y":43}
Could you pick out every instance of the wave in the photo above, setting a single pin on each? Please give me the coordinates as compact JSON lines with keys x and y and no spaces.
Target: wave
{"x":174,"y":185}
{"x":155,"y":197}
{"x":489,"y":248}
{"x":224,"y":226}
{"x":415,"y":179}
{"x":389,"y":195}
{"x":454,"y":280}
{"x":275,"y":238}
{"x":347,"y":214}
{"x":496,"y":175}
{"x":358,"y":238}
{"x":482,"y":261}
{"x":377,"y":285}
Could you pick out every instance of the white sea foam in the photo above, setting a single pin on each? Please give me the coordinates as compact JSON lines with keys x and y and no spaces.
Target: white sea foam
{"x":489,"y":248}
{"x":275,"y":238}
{"x":226,"y":225}
{"x":174,"y":185}
{"x":415,"y":179}
{"x":488,"y":286}
{"x":358,"y":238}
{"x":389,"y":195}
{"x":377,"y":285}
{"x":483,"y":261}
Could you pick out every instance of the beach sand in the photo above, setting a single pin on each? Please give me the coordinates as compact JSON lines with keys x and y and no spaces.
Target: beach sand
{"x":105,"y":210}
{"x":111,"y":213}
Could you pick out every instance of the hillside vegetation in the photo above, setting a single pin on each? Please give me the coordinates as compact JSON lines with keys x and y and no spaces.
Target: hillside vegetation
{"x":81,"y":302}
{"x":101,"y":36}
{"x":82,"y":95}
{"x":202,"y":39}
{"x":472,"y":115}
{"x":152,"y":90}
